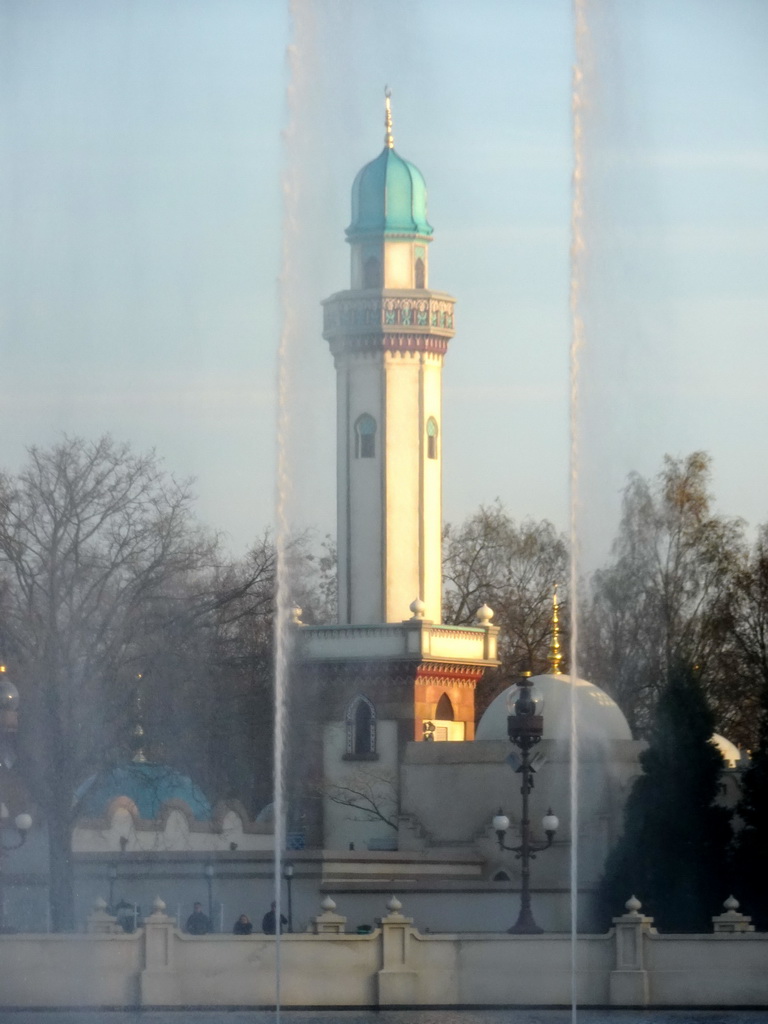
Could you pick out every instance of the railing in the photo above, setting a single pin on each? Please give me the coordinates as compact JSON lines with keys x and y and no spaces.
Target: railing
{"x":350,"y":311}
{"x":411,"y":639}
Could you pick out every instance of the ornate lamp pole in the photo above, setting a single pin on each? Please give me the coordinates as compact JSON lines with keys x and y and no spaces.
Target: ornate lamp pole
{"x":112,"y":876}
{"x":208,"y":871}
{"x":524,"y":727}
{"x":288,"y":876}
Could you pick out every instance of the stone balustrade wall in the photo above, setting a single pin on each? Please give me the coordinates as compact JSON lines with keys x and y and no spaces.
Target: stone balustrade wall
{"x":394,"y":965}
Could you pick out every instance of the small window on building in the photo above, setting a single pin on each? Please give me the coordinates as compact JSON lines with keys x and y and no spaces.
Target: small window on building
{"x":365,"y":437}
{"x":432,"y":438}
{"x":361,"y":729}
{"x":419,"y":273}
{"x":372,"y":273}
{"x":444,"y":711}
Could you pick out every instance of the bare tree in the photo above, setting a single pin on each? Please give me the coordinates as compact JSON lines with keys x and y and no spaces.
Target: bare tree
{"x":666,"y":597}
{"x":97,"y":552}
{"x":369,"y":792}
{"x":206,"y":682}
{"x":512,"y":567}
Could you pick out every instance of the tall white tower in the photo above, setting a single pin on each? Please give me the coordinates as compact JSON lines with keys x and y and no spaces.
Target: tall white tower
{"x":389,"y":673}
{"x":388,"y":334}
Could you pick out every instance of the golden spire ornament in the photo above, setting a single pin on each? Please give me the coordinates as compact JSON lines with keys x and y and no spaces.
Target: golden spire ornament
{"x":389,"y":141}
{"x":555,"y":655}
{"x":137,"y":733}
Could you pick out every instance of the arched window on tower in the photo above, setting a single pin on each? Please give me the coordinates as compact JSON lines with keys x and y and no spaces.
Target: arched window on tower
{"x":372,"y":273}
{"x":432,"y":438}
{"x":419,"y":273}
{"x":444,"y":710}
{"x":361,"y":729}
{"x":365,"y":437}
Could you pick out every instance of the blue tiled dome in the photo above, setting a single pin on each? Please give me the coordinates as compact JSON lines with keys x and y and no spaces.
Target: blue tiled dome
{"x":148,"y":785}
{"x":389,"y":196}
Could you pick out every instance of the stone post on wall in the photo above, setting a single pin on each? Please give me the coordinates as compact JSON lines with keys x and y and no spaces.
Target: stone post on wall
{"x":731,"y":921}
{"x":101,"y":922}
{"x":398,"y":982}
{"x":159,"y":985}
{"x":629,"y":980}
{"x":329,"y":922}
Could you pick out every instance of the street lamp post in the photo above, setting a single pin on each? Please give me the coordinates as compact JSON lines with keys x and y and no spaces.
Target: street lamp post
{"x":288,"y":876}
{"x":208,"y":871}
{"x":21,"y":825}
{"x":112,"y":875}
{"x":525,"y":726}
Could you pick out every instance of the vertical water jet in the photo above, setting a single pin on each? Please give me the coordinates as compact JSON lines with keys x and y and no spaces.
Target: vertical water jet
{"x":577,"y":270}
{"x":288,"y":293}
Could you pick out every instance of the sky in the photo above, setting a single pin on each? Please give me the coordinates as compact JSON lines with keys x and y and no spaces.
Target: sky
{"x":148,"y":274}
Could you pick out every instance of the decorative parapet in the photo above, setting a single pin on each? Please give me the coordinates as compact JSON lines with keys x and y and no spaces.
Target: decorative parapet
{"x":122,"y":828}
{"x":393,"y":966}
{"x":397,"y":320}
{"x":412,"y":640}
{"x":732,"y":921}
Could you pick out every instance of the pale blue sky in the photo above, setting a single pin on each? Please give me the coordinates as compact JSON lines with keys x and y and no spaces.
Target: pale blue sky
{"x":140,"y":213}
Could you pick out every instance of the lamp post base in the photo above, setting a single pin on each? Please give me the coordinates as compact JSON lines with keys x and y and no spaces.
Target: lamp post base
{"x":525,"y":924}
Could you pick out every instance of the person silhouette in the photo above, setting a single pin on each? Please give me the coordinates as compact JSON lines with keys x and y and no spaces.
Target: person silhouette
{"x":198,"y":923}
{"x":269,"y":919}
{"x":243,"y":926}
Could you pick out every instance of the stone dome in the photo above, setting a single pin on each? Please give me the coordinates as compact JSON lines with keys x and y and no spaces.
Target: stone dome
{"x":731,"y":753}
{"x":149,"y":786}
{"x":389,"y":197}
{"x":599,"y":717}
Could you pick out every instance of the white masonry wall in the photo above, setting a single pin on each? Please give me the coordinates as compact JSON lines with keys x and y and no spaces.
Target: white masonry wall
{"x":390,"y":506}
{"x":395,"y":965}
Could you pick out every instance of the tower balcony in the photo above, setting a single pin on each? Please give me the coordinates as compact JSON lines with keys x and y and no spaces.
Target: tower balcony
{"x":398,"y":320}
{"x":411,"y":640}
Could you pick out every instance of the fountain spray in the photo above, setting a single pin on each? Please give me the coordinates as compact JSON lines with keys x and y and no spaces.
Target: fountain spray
{"x":577,"y":261}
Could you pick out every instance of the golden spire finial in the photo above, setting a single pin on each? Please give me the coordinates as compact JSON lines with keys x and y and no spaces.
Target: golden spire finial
{"x":555,"y":655}
{"x":389,"y":141}
{"x":137,"y":734}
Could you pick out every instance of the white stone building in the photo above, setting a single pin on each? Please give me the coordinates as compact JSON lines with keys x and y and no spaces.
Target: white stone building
{"x":383,"y":713}
{"x":391,"y":788}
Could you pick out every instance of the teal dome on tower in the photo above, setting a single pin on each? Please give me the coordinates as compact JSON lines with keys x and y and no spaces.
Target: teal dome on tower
{"x":389,"y":195}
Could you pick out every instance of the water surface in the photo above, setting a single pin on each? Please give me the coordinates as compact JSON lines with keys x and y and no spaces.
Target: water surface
{"x":439,"y":1016}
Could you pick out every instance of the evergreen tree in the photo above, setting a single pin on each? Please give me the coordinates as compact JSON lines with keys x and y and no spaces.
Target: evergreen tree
{"x":751,"y":853}
{"x":672,"y":854}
